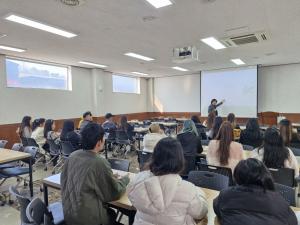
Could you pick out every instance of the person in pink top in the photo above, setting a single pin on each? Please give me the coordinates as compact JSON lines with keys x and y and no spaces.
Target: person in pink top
{"x":223,"y":151}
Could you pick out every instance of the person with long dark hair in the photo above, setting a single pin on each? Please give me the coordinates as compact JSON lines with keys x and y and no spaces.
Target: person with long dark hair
{"x":274,"y":154}
{"x":160,"y":194}
{"x":212,"y":134}
{"x":223,"y":151}
{"x":38,"y":133}
{"x":24,"y":131}
{"x":289,"y":136}
{"x":253,"y":200}
{"x":68,"y":134}
{"x":252,"y":135}
{"x":49,"y":131}
{"x":210,"y":120}
{"x":232,"y":120}
{"x":125,"y":126}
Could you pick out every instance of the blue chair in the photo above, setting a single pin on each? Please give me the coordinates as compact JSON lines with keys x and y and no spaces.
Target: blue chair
{"x":143,"y":158}
{"x":119,"y":164}
{"x":288,"y":193}
{"x":3,"y":143}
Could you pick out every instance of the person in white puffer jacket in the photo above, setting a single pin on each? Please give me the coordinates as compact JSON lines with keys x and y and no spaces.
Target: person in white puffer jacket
{"x":160,"y":195}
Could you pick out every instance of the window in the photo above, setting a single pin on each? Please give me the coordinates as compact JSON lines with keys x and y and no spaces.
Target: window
{"x":27,"y":74}
{"x":125,"y":84}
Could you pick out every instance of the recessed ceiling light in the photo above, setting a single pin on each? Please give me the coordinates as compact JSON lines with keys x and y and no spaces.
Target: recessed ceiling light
{"x":38,"y":25}
{"x":214,"y":43}
{"x":14,"y":49}
{"x":159,"y":3}
{"x":134,"y":55}
{"x":180,"y":68}
{"x":92,"y":64}
{"x":139,"y":73}
{"x":238,"y":61}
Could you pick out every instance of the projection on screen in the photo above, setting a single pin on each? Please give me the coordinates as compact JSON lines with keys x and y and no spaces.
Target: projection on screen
{"x":237,"y":86}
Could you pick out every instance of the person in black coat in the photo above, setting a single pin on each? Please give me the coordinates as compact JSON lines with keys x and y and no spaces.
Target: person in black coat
{"x":200,"y":127}
{"x":254,"y":200}
{"x":252,"y":135}
{"x":68,"y":134}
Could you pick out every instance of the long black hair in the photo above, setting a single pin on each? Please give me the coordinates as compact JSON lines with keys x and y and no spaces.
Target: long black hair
{"x":275,"y":153}
{"x":124,"y":123}
{"x":48,"y":127}
{"x":68,"y":126}
{"x":216,"y":126}
{"x":252,"y":128}
{"x":25,"y":123}
{"x":253,"y":172}
{"x":37,"y":122}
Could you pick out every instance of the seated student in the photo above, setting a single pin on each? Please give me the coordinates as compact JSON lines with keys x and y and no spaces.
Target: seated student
{"x":38,"y":132}
{"x":155,"y":135}
{"x":223,"y":151}
{"x":160,"y":195}
{"x":274,"y":154}
{"x":68,"y":134}
{"x":109,"y":125}
{"x":87,"y":118}
{"x":290,"y":138}
{"x":212,"y":133}
{"x":49,"y":132}
{"x":125,"y":126}
{"x":200,"y":128}
{"x":252,"y":135}
{"x":210,"y":120}
{"x":24,"y":130}
{"x":88,"y":183}
{"x":231,"y":119}
{"x":254,"y":200}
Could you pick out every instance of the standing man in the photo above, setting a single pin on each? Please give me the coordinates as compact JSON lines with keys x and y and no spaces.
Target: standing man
{"x":87,"y":118}
{"x":213,"y":106}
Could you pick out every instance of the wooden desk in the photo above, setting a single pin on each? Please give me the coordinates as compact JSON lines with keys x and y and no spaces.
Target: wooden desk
{"x":8,"y":156}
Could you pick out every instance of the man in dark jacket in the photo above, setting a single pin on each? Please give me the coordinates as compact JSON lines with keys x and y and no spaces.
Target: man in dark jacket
{"x":88,"y":183}
{"x":213,"y":106}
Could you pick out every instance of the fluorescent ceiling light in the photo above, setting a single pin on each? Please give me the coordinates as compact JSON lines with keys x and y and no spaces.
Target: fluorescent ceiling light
{"x":38,"y":25}
{"x":9,"y":48}
{"x":214,"y":43}
{"x":179,"y":68}
{"x":139,"y":73}
{"x":159,"y":3}
{"x":134,"y":55}
{"x":238,"y":61}
{"x":92,"y":64}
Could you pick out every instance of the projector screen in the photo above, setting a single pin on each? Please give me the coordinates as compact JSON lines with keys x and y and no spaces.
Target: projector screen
{"x":237,"y":86}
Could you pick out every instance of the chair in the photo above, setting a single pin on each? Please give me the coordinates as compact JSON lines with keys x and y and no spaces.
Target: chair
{"x":288,"y":193}
{"x":66,"y":148}
{"x":209,"y":180}
{"x":17,"y":147}
{"x":285,"y":176}
{"x":31,"y":142}
{"x":3,"y":143}
{"x":205,"y":142}
{"x":38,"y":213}
{"x":248,"y":147}
{"x":123,"y":144}
{"x":55,"y":151}
{"x":143,"y":158}
{"x":217,"y":169}
{"x":190,"y":164}
{"x":296,"y":151}
{"x":119,"y":164}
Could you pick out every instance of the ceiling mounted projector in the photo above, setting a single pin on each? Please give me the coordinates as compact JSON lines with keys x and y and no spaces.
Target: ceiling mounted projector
{"x":187,"y":54}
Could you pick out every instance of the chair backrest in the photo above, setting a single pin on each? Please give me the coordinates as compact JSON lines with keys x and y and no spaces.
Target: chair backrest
{"x":209,"y":180}
{"x":248,"y":147}
{"x":285,"y":176}
{"x":205,"y":142}
{"x":217,"y":169}
{"x":23,"y":202}
{"x":143,"y":158}
{"x":3,"y":143}
{"x":24,"y":141}
{"x":121,"y":135}
{"x":111,"y":134}
{"x":36,"y":210}
{"x":296,"y":151}
{"x":119,"y":164}
{"x":54,"y":148}
{"x":189,"y":165}
{"x":31,"y":150}
{"x":66,"y":148}
{"x":31,"y":142}
{"x":17,"y":147}
{"x":288,"y":193}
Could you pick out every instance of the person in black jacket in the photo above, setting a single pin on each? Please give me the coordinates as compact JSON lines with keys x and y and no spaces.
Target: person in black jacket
{"x":252,"y":135}
{"x":254,"y":200}
{"x":290,"y":138}
{"x":191,"y":144}
{"x":68,"y":134}
{"x":200,"y":127}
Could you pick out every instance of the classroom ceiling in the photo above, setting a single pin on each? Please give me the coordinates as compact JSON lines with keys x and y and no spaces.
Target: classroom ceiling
{"x":109,"y":28}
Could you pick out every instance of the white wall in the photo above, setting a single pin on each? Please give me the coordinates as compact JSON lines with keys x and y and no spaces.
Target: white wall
{"x":177,"y":93}
{"x":91,"y":90}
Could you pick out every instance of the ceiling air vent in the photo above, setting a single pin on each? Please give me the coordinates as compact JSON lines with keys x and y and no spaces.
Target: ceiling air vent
{"x":245,"y":39}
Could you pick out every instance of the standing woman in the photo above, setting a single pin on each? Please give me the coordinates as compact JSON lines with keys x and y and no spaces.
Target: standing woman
{"x":24,"y":131}
{"x":210,"y":120}
{"x":125,"y":126}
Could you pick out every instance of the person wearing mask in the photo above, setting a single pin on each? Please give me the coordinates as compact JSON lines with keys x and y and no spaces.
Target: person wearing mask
{"x":252,"y":135}
{"x":210,"y":120}
{"x":49,"y":132}
{"x":24,"y":130}
{"x":160,"y":195}
{"x":215,"y":128}
{"x":125,"y":126}
{"x":290,"y":137}
{"x":109,"y":125}
{"x":153,"y":137}
{"x":68,"y":134}
{"x":191,"y":144}
{"x":223,"y":151}
{"x":214,"y":105}
{"x":87,"y":118}
{"x":38,"y":133}
{"x":274,"y":154}
{"x":200,"y":128}
{"x":88,"y":182}
{"x":254,"y":199}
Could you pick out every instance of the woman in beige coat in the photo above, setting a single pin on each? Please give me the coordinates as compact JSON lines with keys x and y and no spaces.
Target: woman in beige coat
{"x":160,"y":196}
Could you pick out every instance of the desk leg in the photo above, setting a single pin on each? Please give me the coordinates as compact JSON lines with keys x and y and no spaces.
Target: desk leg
{"x":30,"y":177}
{"x":45,"y":194}
{"x":140,"y":143}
